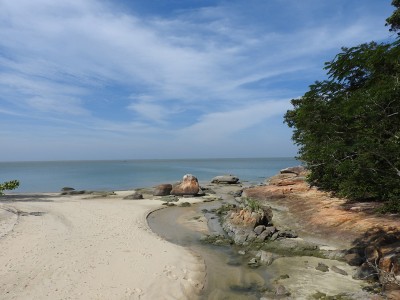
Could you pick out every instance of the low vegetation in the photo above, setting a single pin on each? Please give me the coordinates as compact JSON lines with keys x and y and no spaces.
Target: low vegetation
{"x":8,"y":185}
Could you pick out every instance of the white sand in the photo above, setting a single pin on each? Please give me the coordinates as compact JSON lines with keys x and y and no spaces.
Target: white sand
{"x":90,"y":249}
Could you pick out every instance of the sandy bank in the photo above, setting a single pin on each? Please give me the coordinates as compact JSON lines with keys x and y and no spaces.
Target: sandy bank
{"x":69,"y":247}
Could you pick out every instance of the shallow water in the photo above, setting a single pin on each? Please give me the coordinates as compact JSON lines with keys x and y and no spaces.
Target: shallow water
{"x":51,"y":176}
{"x":228,"y":276}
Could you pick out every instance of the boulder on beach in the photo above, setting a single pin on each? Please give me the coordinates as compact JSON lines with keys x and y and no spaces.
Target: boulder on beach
{"x":162,"y":190}
{"x":229,"y":179}
{"x":134,"y":196}
{"x":189,"y":186}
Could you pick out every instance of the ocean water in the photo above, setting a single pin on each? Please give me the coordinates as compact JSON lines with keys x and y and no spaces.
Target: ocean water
{"x":51,"y":176}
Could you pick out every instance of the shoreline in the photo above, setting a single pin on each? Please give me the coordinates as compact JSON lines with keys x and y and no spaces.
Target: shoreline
{"x":89,"y":248}
{"x":110,"y":239}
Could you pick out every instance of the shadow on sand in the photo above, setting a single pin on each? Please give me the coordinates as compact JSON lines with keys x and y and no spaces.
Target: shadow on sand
{"x":27,"y":198}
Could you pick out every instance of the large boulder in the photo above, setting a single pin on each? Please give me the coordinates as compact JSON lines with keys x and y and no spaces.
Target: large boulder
{"x":229,"y":179}
{"x":189,"y":186}
{"x":241,"y":224}
{"x":162,"y":190}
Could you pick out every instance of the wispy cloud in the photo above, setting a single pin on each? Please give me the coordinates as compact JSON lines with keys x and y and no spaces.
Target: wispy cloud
{"x":211,"y":72}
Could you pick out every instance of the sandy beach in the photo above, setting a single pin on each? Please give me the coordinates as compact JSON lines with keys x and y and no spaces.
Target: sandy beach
{"x":72,"y":247}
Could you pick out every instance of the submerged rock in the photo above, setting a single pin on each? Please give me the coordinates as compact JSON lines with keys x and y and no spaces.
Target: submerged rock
{"x":339,"y":271}
{"x":322,"y":267}
{"x":266,"y":258}
{"x":253,"y":263}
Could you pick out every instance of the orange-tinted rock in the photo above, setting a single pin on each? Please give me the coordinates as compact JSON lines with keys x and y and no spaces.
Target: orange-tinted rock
{"x":188,"y":186}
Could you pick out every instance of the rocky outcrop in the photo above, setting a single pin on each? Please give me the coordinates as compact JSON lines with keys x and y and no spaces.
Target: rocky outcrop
{"x":245,"y":225}
{"x":225,"y":179}
{"x":188,"y":187}
{"x":373,"y":239}
{"x":162,"y":190}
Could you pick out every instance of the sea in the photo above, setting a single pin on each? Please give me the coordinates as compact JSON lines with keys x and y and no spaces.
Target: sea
{"x":108,"y":175}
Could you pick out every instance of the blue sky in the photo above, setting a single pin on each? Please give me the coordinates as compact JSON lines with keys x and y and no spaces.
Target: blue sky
{"x":109,"y":79}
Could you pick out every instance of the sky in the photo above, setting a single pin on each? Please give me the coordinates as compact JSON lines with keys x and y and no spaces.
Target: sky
{"x":144,"y":79}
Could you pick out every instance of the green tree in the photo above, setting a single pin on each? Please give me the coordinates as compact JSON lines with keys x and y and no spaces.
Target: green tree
{"x":8,"y":185}
{"x":394,"y":20}
{"x":348,"y":127}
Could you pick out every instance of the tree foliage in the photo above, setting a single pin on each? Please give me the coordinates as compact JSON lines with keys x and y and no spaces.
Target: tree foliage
{"x":8,"y":185}
{"x":348,"y":126}
{"x":394,"y":20}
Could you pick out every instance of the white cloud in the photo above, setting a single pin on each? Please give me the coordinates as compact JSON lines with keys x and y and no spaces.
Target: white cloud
{"x":150,"y":111}
{"x":62,"y":105}
{"x":216,"y":125}
{"x":194,"y":74}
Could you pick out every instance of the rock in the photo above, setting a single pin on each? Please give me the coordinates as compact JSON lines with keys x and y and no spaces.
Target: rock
{"x":201,"y":192}
{"x":259,"y":229}
{"x":270,"y":230}
{"x":188,"y":186}
{"x":267,"y":233}
{"x":266,"y":258}
{"x":67,"y":189}
{"x":228,"y":179}
{"x":274,"y":236}
{"x":240,"y":237}
{"x":170,"y":198}
{"x":294,"y":170}
{"x":390,"y":260}
{"x":281,"y":291}
{"x":372,"y":254}
{"x":162,"y":189}
{"x":365,"y":272}
{"x":263,"y":236}
{"x":134,"y":196}
{"x":238,"y":193}
{"x":74,"y":192}
{"x":253,"y":263}
{"x":322,"y":267}
{"x":185,"y":204}
{"x":247,"y":218}
{"x":251,"y":236}
{"x":207,"y":189}
{"x":353,"y":259}
{"x":339,"y":271}
{"x":287,"y":234}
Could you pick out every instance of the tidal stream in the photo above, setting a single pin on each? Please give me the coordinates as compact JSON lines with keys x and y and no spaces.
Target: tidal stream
{"x":228,"y":275}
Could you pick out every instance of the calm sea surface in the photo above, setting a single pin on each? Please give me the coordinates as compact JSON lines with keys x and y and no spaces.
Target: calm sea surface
{"x":130,"y":174}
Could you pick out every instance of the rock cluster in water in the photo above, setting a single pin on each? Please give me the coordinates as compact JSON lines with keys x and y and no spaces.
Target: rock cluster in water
{"x":248,"y":224}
